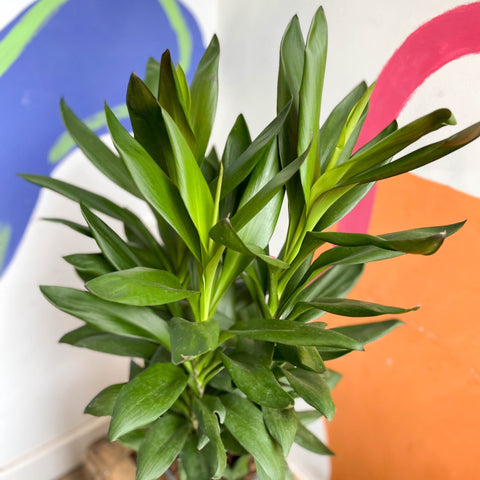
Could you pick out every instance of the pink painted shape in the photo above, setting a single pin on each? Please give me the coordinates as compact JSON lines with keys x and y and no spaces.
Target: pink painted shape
{"x":445,"y":38}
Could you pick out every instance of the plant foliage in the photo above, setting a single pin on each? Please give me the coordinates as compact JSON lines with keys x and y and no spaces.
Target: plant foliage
{"x":221,"y":329}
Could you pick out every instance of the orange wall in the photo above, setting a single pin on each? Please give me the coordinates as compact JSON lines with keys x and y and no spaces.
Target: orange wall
{"x":409,"y":407}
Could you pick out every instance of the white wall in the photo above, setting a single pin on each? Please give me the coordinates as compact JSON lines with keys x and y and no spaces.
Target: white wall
{"x":44,"y":385}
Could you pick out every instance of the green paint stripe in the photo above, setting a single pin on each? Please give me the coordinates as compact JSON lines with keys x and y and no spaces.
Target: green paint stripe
{"x":5,"y":234}
{"x":12,"y":46}
{"x":180,"y":27}
{"x":97,"y":121}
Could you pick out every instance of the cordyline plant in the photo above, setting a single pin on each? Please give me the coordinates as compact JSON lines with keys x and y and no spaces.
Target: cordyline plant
{"x":220,"y":329}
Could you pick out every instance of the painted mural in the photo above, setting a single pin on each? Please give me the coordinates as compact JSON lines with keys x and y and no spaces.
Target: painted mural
{"x":84,"y":51}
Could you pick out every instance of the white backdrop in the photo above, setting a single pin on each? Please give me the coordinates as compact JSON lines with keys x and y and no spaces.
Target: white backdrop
{"x":45,"y":386}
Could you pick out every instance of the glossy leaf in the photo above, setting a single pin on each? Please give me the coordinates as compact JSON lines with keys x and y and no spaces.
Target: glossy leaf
{"x":311,"y":98}
{"x":108,"y":317}
{"x":145,"y":398}
{"x":116,"y":250}
{"x":256,"y":380}
{"x":368,"y":332}
{"x":224,"y":233}
{"x":94,"y":264}
{"x":204,"y":96}
{"x":154,"y":184}
{"x":355,"y":308}
{"x":139,"y":286}
{"x":196,"y":462}
{"x":97,"y":152}
{"x":162,"y":444}
{"x":190,"y":181}
{"x":307,"y":358}
{"x":245,"y":422}
{"x":313,"y":389}
{"x":102,"y":404}
{"x":282,"y":425}
{"x":190,"y":339}
{"x":245,"y":163}
{"x":147,"y":122}
{"x":292,"y":333}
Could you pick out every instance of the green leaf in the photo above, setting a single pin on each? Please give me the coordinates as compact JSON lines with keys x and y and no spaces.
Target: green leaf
{"x":73,"y":225}
{"x":306,"y":439}
{"x":145,"y":398}
{"x":423,"y":241}
{"x":282,"y":425}
{"x":116,"y":345}
{"x":224,"y":233}
{"x":256,"y":380}
{"x":331,"y":378}
{"x":197,"y":463}
{"x":108,"y":317}
{"x":170,"y":98}
{"x":245,"y":422}
{"x":332,"y":129}
{"x":102,"y":404}
{"x":152,"y":75}
{"x":190,"y":181}
{"x":354,"y":308}
{"x":93,"y":264}
{"x":116,"y":251}
{"x":311,"y":98}
{"x":313,"y":389}
{"x":307,"y":358}
{"x":238,"y":141}
{"x":97,"y":152}
{"x":162,"y":444}
{"x":236,"y":172}
{"x":306,"y":417}
{"x":368,"y":332}
{"x":190,"y":339}
{"x":209,"y":425}
{"x":418,"y":158}
{"x":292,"y":333}
{"x":204,"y":96}
{"x":139,"y":286}
{"x":93,"y":201}
{"x":155,"y":186}
{"x":147,"y":122}
{"x":133,"y":440}
{"x":258,"y":201}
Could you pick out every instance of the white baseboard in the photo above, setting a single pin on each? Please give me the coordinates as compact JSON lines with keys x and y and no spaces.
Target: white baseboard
{"x":58,"y":457}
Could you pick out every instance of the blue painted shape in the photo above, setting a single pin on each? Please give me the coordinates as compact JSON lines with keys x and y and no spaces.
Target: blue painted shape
{"x":85,"y":53}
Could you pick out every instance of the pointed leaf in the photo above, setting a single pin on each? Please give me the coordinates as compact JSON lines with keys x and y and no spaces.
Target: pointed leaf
{"x":245,"y":163}
{"x":190,"y":339}
{"x":311,"y":98}
{"x":108,"y":317}
{"x":292,"y":333}
{"x":368,"y":332}
{"x":306,"y":439}
{"x":245,"y":422}
{"x":257,"y":381}
{"x":282,"y":425}
{"x":313,"y":389}
{"x":162,"y":444}
{"x":154,"y":184}
{"x":97,"y":152}
{"x":224,"y":234}
{"x":94,"y":264}
{"x":139,"y":286}
{"x":307,"y":358}
{"x":102,"y":404}
{"x":204,"y":96}
{"x":146,"y":397}
{"x":190,"y":181}
{"x":74,"y":226}
{"x":117,"y":252}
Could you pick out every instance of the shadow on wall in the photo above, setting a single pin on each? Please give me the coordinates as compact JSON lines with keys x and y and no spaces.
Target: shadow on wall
{"x":84,"y":51}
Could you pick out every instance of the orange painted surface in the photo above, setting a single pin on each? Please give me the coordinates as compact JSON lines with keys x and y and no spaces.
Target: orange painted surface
{"x":409,"y":407}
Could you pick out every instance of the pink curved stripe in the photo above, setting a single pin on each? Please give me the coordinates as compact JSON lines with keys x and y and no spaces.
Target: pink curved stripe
{"x":445,"y":38}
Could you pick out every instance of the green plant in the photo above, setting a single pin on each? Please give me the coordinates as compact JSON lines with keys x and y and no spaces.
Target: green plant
{"x":219,"y":328}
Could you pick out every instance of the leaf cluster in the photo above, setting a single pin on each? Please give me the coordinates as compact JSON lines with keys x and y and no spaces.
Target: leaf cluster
{"x":219,"y":330}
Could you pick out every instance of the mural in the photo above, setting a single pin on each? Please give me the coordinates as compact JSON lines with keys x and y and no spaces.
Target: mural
{"x":84,"y":51}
